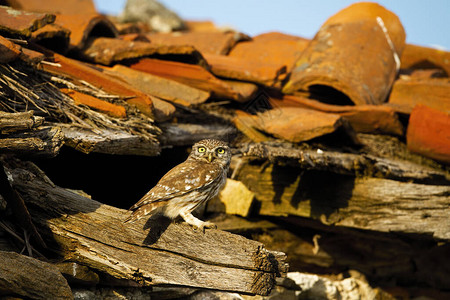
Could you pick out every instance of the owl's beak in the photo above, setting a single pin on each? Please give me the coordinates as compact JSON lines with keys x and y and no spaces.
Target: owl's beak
{"x":210,"y":157}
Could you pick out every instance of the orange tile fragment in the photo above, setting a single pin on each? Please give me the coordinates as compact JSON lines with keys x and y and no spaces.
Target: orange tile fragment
{"x":429,"y":133}
{"x":161,"y":87}
{"x":79,"y":71}
{"x":191,"y":75}
{"x":213,"y":42}
{"x":363,"y":118}
{"x":85,"y":26}
{"x":356,"y":52}
{"x":53,"y":37}
{"x":55,"y":6}
{"x":408,"y":92}
{"x":107,"y":51}
{"x":8,"y":50}
{"x":244,"y":70}
{"x":418,"y":57}
{"x":192,"y":25}
{"x":22,"y":23}
{"x":103,"y":106}
{"x":271,"y":48}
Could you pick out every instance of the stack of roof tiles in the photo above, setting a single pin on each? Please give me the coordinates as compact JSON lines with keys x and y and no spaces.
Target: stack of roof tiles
{"x":357,"y":73}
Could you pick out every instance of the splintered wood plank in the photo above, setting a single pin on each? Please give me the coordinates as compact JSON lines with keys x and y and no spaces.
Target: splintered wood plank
{"x":154,"y":252}
{"x":365,"y":203}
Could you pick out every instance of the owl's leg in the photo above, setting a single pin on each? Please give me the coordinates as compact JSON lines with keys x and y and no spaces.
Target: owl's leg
{"x":196,"y":223}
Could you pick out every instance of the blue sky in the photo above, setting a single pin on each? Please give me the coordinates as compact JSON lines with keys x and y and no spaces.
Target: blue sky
{"x":426,"y":23}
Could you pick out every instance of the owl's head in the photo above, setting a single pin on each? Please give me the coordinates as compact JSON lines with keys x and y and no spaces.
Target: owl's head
{"x":212,"y":151}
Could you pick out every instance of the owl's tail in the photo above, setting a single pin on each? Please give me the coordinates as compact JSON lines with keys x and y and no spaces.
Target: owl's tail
{"x":142,"y":211}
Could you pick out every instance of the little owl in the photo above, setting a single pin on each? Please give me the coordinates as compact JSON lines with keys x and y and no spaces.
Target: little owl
{"x":189,"y":184}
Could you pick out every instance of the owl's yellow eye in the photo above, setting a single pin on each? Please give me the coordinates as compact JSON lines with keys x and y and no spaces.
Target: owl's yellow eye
{"x":201,"y":149}
{"x":220,"y":150}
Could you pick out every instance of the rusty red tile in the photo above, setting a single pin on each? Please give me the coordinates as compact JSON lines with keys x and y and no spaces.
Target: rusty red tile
{"x":8,"y":50}
{"x":408,"y":92}
{"x":85,"y":26}
{"x":15,"y":22}
{"x":163,"y":88}
{"x":53,"y":37}
{"x":55,"y":6}
{"x":417,"y":57}
{"x":271,"y":48}
{"x":244,"y":70}
{"x":107,"y":51}
{"x":31,"y":57}
{"x":79,"y":71}
{"x":213,"y":42}
{"x":363,"y":118}
{"x":429,"y":133}
{"x":191,"y":75}
{"x":295,"y":124}
{"x":356,"y":52}
{"x":134,"y":37}
{"x":106,"y":107}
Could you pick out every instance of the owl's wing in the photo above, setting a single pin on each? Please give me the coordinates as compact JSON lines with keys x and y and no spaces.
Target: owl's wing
{"x":182,"y":179}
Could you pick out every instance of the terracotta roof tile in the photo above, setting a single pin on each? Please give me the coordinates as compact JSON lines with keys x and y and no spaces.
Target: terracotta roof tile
{"x":81,"y":72}
{"x":111,"y":109}
{"x":8,"y":50}
{"x":53,"y":37}
{"x":245,"y":90}
{"x":338,"y":55}
{"x":429,"y":133}
{"x":205,"y":41}
{"x":417,"y":57}
{"x":191,"y":75}
{"x":107,"y":51}
{"x":192,"y":25}
{"x":83,"y":27}
{"x":363,"y":118}
{"x":134,"y":37}
{"x":54,"y":6}
{"x":161,"y":87}
{"x":271,"y":48}
{"x":408,"y":92}
{"x":244,"y":70}
{"x":20,"y":23}
{"x":294,"y":124}
{"x":32,"y":57}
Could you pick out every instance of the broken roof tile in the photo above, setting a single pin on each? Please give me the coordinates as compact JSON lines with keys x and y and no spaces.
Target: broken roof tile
{"x":161,"y":87}
{"x":21,"y":23}
{"x":8,"y":50}
{"x":337,"y":58}
{"x":213,"y":42}
{"x":53,"y":37}
{"x":54,"y":6}
{"x":163,"y":110}
{"x":191,"y":75}
{"x":363,"y":118}
{"x":245,"y":90}
{"x":32,"y":57}
{"x":296,"y":124}
{"x":408,"y":92}
{"x":244,"y":70}
{"x":83,"y":27}
{"x":429,"y":133}
{"x":192,"y":25}
{"x":271,"y":48}
{"x":134,"y":37}
{"x":417,"y":57}
{"x":107,"y":51}
{"x":81,"y":72}
{"x":106,"y":107}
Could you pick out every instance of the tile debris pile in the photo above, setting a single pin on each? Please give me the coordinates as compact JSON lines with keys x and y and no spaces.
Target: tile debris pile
{"x":357,"y":72}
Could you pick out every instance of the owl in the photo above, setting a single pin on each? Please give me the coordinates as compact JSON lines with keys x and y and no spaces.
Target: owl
{"x":189,"y":184}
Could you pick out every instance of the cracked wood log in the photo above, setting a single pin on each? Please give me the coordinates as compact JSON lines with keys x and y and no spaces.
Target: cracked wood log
{"x":365,"y":203}
{"x":153,"y":252}
{"x":31,"y":278}
{"x":10,"y":122}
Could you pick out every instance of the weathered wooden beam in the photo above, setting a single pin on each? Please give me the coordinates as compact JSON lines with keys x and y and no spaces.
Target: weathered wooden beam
{"x":153,"y":252}
{"x":31,"y":278}
{"x":365,"y":203}
{"x":10,"y":122}
{"x":42,"y":141}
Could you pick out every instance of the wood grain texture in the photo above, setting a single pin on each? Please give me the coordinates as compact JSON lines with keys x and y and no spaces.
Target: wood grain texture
{"x":153,"y":252}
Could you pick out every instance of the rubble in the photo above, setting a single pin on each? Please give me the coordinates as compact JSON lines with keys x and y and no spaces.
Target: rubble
{"x":340,"y":177}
